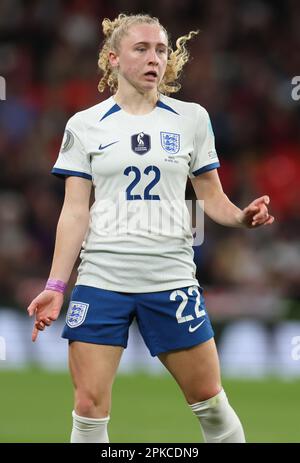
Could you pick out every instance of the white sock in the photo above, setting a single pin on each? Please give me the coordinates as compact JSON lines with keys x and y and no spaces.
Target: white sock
{"x":218,"y":420}
{"x":89,"y":430}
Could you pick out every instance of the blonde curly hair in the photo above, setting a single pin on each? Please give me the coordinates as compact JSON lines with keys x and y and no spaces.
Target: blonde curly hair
{"x":115,"y":30}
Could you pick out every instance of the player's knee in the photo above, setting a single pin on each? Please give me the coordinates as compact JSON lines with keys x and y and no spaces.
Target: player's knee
{"x":91,"y":406}
{"x":203,"y":393}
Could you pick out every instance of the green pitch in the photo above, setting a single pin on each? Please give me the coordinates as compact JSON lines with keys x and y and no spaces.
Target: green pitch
{"x":35,"y":406}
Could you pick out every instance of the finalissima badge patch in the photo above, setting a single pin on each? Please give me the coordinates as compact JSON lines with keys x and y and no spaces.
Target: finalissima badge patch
{"x":140,"y":143}
{"x":68,"y":141}
{"x":170,"y":142}
{"x":76,"y":313}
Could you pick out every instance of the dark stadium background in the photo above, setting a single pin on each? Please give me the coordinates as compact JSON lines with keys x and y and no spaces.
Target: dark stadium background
{"x":241,"y":70}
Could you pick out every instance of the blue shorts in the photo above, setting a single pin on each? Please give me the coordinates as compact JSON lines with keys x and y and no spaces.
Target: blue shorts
{"x":167,"y":320}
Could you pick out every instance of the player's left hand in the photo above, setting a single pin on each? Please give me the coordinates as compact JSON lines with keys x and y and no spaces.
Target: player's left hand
{"x":256,"y":213}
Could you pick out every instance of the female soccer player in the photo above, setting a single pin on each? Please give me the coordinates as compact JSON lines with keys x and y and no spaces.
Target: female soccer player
{"x":137,"y":149}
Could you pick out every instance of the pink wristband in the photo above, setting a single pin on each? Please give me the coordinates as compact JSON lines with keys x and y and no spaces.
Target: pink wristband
{"x":56,"y":285}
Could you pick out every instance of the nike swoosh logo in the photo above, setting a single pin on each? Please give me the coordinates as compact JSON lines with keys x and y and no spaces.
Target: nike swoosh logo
{"x":194,"y":328}
{"x":106,"y":146}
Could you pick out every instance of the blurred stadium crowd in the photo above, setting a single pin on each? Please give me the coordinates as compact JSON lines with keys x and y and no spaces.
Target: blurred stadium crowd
{"x":241,"y":69}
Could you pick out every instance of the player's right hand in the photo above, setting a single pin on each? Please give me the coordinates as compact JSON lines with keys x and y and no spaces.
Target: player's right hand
{"x":46,"y":308}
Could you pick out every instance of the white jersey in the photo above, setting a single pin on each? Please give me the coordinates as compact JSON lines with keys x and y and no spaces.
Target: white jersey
{"x":139,"y":237}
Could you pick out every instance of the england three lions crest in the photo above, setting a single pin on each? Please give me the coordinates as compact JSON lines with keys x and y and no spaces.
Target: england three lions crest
{"x":170,"y":142}
{"x":76,"y":313}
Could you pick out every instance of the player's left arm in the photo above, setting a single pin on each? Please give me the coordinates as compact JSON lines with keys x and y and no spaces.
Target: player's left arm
{"x":219,"y":208}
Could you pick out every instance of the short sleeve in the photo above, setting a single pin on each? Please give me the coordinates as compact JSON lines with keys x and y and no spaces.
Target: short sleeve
{"x":204,"y":156}
{"x":73,"y":159}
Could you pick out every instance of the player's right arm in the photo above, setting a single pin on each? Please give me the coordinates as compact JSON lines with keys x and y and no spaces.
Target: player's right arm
{"x":71,"y":229}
